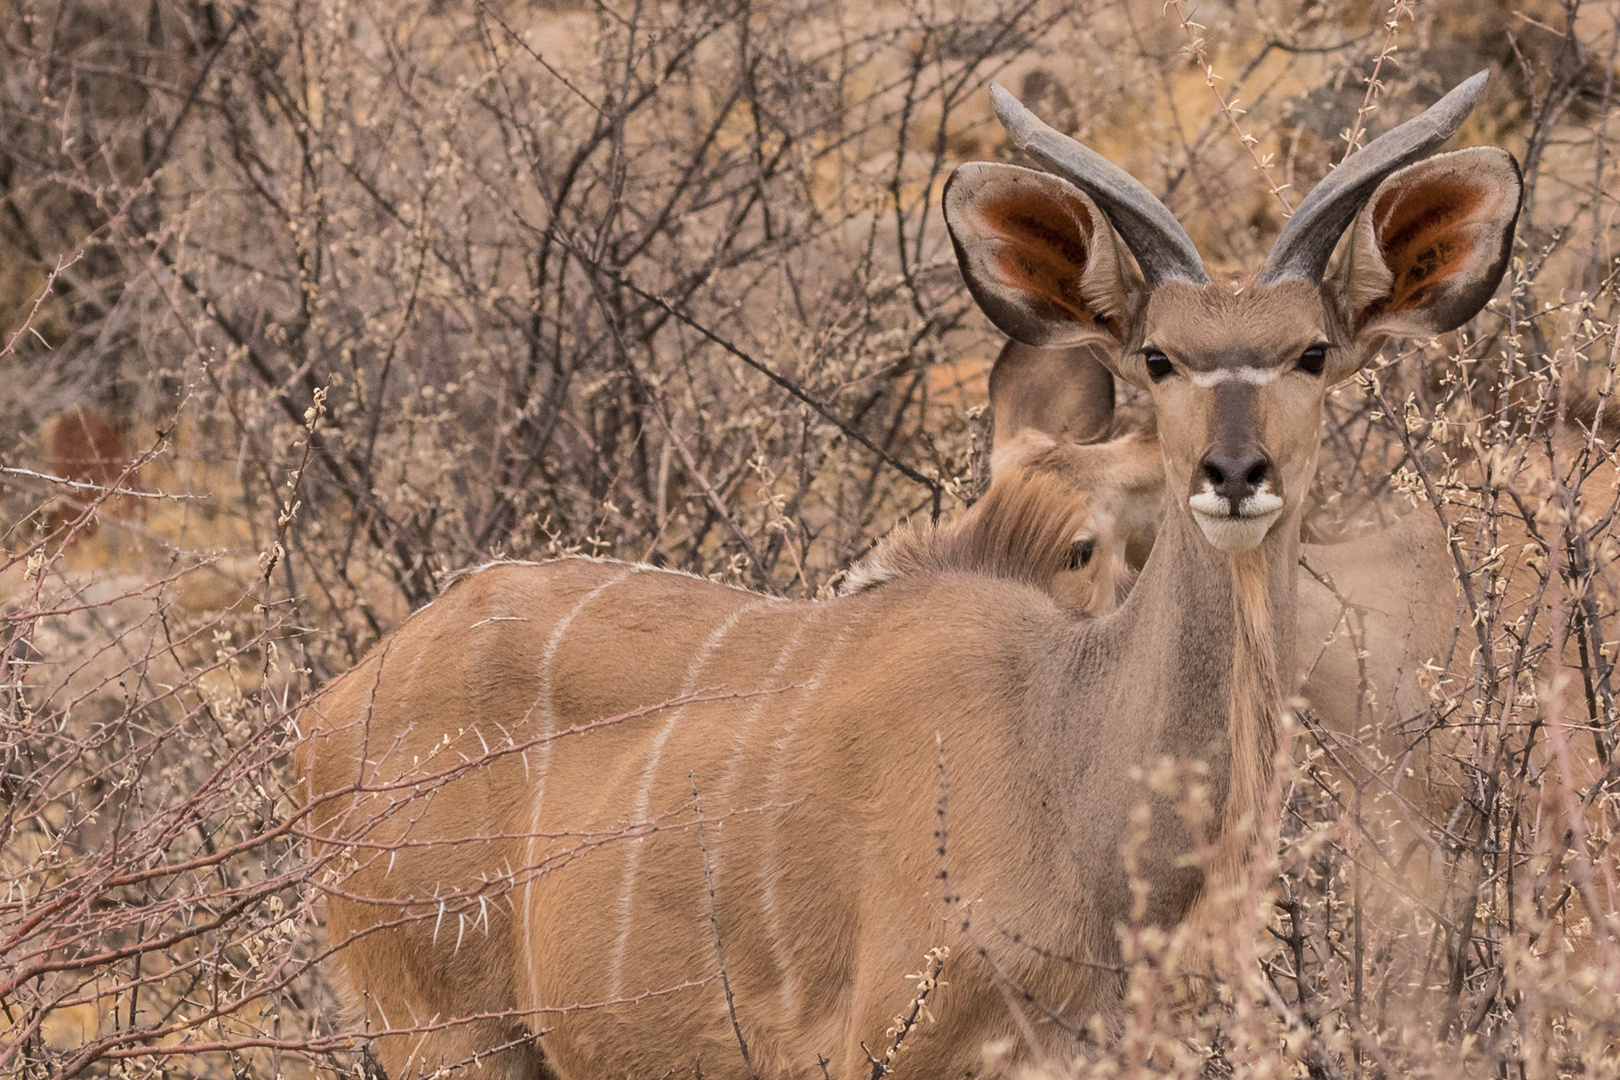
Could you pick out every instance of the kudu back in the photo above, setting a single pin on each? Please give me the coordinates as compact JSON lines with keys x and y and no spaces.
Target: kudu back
{"x":659,"y":819}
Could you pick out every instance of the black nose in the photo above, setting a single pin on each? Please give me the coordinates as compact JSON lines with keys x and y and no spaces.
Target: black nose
{"x":1236,"y":476}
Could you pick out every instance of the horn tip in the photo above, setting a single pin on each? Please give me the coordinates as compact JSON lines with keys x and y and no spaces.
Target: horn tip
{"x":1011,"y":112}
{"x":1466,"y":94}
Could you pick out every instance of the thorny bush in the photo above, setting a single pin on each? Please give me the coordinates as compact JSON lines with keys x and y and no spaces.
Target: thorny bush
{"x":379,"y":292}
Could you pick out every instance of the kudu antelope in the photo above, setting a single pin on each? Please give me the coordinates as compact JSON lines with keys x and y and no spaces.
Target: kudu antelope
{"x":84,"y":447}
{"x":1387,"y":649}
{"x":1396,"y":588}
{"x":1397,"y":584}
{"x":1393,"y":663}
{"x":562,"y":861}
{"x":1053,"y":409}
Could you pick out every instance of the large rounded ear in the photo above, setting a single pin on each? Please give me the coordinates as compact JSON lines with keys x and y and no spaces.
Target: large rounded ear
{"x":1038,"y":255}
{"x":1046,"y":397}
{"x":1429,"y":248}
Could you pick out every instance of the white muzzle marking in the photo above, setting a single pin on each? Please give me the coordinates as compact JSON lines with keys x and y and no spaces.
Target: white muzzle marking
{"x":1240,"y":531}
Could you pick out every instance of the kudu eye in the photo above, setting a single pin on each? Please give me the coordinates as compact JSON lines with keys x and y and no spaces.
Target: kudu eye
{"x":1158,"y":365}
{"x":1081,"y":551}
{"x":1312,"y":360}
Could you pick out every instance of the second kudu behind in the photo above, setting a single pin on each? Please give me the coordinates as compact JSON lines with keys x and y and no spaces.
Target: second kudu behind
{"x":737,"y":879}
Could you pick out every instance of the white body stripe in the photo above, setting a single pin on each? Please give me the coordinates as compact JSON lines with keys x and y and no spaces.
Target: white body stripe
{"x":548,"y":723}
{"x":655,"y":753}
{"x":745,"y":729}
{"x":770,"y":870}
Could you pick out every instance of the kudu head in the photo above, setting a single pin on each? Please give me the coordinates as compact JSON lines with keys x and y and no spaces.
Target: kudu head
{"x":1066,"y":501}
{"x":1054,"y":415}
{"x":1237,"y":375}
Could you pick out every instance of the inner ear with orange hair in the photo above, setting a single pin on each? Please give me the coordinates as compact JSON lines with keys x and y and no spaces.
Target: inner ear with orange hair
{"x":1037,"y":254}
{"x":1429,"y":248}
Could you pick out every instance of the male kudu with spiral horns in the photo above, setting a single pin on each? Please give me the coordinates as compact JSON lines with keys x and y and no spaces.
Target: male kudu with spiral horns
{"x":757,"y":862}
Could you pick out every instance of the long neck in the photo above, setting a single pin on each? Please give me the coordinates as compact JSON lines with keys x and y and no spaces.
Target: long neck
{"x":1237,"y":612}
{"x":1256,"y":695}
{"x":1198,"y":649}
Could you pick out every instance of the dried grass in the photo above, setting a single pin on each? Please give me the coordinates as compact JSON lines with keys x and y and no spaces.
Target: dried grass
{"x":379,"y":292}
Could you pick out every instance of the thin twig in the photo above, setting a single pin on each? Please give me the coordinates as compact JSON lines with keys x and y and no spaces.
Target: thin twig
{"x":1352,"y":138}
{"x":714,"y":925}
{"x":1228,"y":109}
{"x":85,"y":485}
